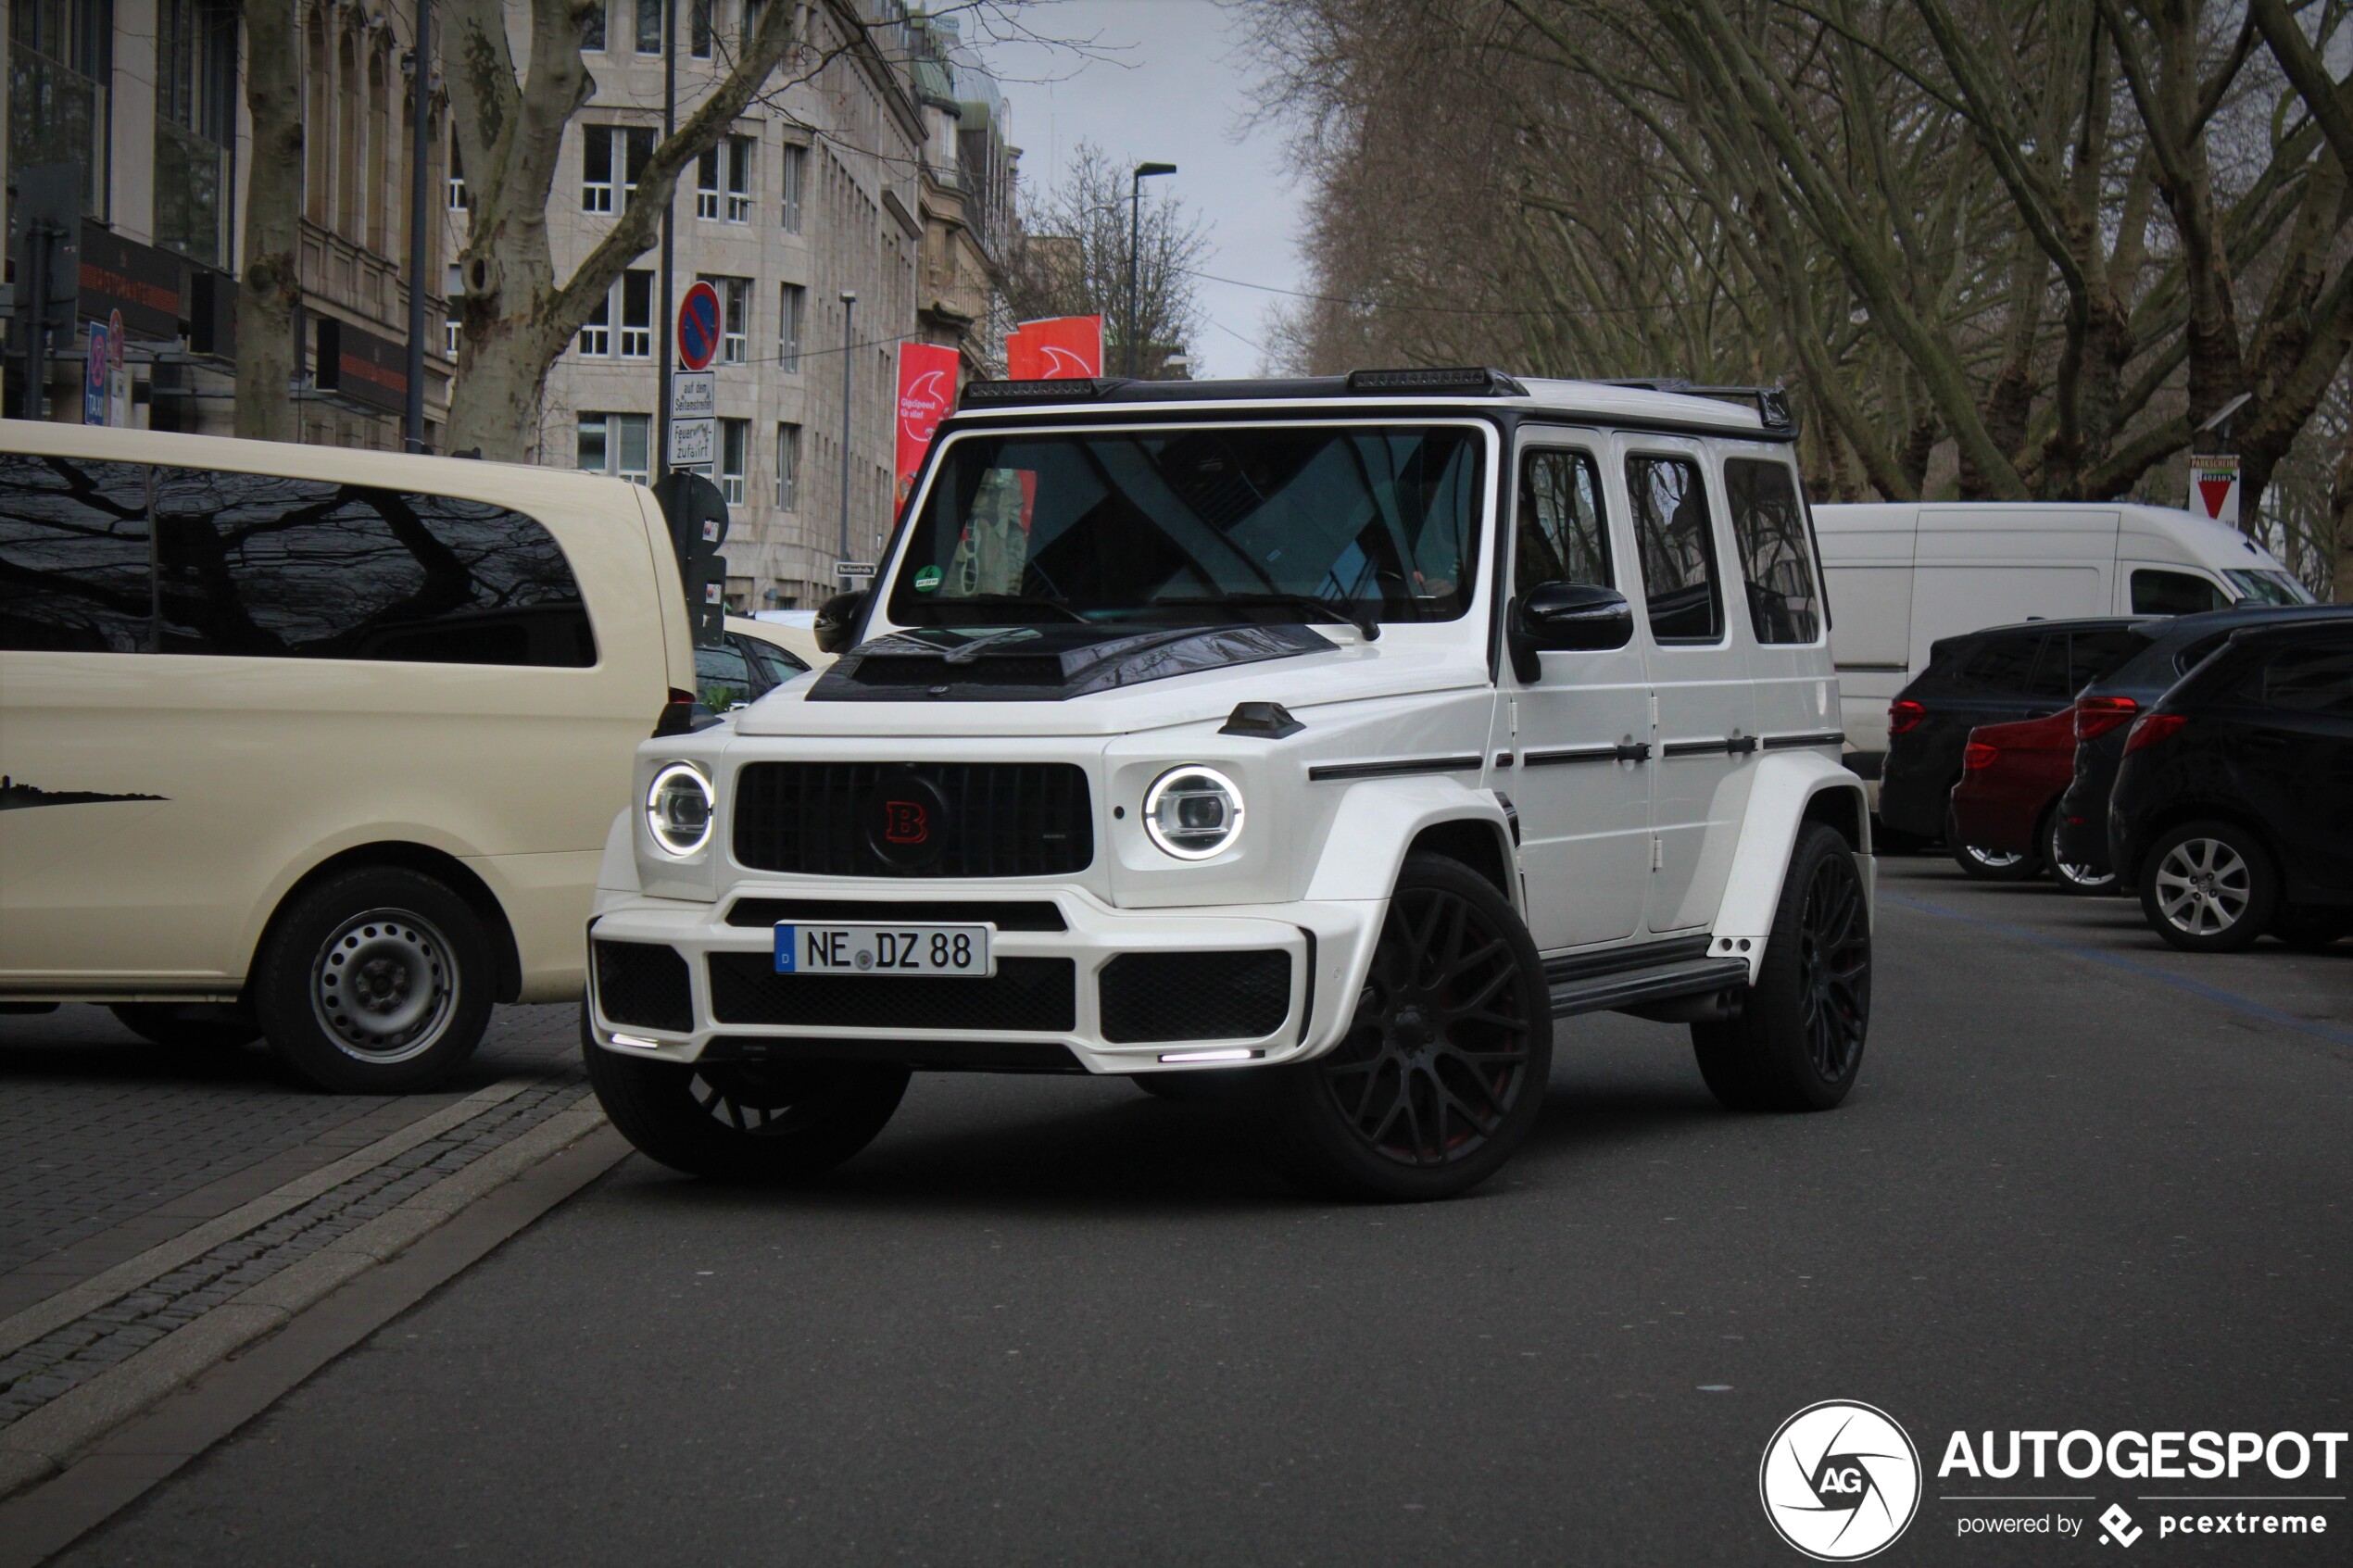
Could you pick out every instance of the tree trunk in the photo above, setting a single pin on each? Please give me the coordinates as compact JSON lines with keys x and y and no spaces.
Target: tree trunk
{"x":269,"y":292}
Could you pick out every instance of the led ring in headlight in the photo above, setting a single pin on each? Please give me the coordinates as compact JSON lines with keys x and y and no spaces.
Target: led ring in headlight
{"x":1194,"y":812}
{"x":678,"y":808}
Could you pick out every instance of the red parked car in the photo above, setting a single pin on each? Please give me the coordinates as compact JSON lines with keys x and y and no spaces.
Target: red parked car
{"x":2006,"y":807}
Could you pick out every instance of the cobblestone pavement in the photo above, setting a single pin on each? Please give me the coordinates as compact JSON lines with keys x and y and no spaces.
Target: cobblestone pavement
{"x":104,"y":1137}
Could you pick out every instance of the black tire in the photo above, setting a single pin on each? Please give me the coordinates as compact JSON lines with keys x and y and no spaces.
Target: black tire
{"x":2079,"y":879}
{"x":2208,"y":887}
{"x":1989,"y":865}
{"x":1797,"y":1044}
{"x":377,"y":981}
{"x":1454,"y":1023}
{"x":743,"y":1122}
{"x":2309,"y":929}
{"x":212,"y":1026}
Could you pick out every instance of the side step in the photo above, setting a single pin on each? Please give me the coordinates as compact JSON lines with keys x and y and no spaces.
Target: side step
{"x":1658,"y":982}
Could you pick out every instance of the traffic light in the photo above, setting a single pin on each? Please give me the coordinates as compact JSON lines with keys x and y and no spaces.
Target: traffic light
{"x":696,"y":513}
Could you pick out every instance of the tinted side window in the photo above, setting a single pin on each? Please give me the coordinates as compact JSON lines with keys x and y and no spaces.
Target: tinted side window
{"x":75,"y":573}
{"x":2173,"y":592}
{"x":1769,"y":527}
{"x":2094,"y":655}
{"x":1677,"y":546}
{"x":722,"y":678}
{"x":779,"y":665}
{"x":2001,"y":665}
{"x":2310,"y":680}
{"x":304,"y":569}
{"x":1562,"y":538}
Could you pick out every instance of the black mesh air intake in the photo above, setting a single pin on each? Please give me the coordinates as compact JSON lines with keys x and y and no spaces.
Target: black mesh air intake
{"x":976,"y":819}
{"x":645,"y":984}
{"x":1195,"y":995}
{"x":1027,"y":994}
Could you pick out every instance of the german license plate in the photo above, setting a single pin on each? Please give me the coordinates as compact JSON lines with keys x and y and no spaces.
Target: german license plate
{"x":934,"y":950}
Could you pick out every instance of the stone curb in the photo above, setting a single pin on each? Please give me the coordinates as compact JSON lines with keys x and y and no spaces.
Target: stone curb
{"x":44,"y":1441}
{"x":79,"y":1300}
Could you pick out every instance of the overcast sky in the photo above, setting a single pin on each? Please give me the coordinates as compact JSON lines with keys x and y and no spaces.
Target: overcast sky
{"x":1168,"y":83}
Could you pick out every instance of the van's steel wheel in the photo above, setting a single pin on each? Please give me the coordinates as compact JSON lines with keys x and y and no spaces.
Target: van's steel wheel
{"x":2075,"y":878}
{"x":2208,"y":887}
{"x":212,"y":1026}
{"x":1443,"y":1069}
{"x":376,"y":980}
{"x":1798,"y":1041}
{"x":745,"y":1122}
{"x":1989,"y":865}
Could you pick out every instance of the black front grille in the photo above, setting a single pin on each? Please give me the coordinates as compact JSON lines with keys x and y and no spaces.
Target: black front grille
{"x":1002,"y":819}
{"x":1005,"y":914}
{"x":1038,"y":995}
{"x":645,"y":984}
{"x":1195,"y":995}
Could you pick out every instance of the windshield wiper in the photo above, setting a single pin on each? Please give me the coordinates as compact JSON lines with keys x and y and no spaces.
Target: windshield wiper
{"x":994,"y":604}
{"x":1366,"y":626}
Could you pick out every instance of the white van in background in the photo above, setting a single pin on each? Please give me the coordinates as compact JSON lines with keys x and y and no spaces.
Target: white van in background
{"x":1901,"y":576}
{"x":313,"y":743}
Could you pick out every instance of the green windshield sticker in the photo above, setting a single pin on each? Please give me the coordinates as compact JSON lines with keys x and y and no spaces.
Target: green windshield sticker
{"x":927,"y":579}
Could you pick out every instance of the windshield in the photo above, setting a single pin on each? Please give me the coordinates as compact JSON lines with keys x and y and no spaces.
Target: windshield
{"x":1196,"y":522}
{"x":2267,"y":588}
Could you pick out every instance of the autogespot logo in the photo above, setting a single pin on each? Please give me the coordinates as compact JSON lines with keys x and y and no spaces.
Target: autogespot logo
{"x":1840,"y":1480}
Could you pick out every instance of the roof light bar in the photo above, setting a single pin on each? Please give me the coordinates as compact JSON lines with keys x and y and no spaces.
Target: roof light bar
{"x":982,"y":393}
{"x":1771,"y":402}
{"x":1477,"y":380}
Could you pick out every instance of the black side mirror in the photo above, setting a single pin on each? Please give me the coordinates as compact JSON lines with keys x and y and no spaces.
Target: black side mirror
{"x":838,"y":618}
{"x":1569,"y":618}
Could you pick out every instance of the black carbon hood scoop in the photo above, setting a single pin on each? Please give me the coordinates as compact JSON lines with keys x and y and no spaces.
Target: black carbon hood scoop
{"x":1045,"y":663}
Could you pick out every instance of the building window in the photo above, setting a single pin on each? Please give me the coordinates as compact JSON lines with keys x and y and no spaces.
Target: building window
{"x":735,"y":449}
{"x":734,"y":320}
{"x":738,"y":170}
{"x":457,"y":192}
{"x":637,"y":314}
{"x":59,"y":60}
{"x":795,"y":159}
{"x":753,"y":11}
{"x":699,"y":28}
{"x":606,"y":151}
{"x":650,"y":27}
{"x":787,"y":467}
{"x":616,"y":443}
{"x":196,"y":124}
{"x":725,"y":171}
{"x":453,"y":296}
{"x":592,"y":31}
{"x":791,"y":300}
{"x":596,"y":333}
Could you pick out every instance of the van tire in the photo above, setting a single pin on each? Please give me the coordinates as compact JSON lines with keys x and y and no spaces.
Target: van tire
{"x":1484,"y":1040}
{"x":211,"y":1026}
{"x":691,"y":1117}
{"x":408,"y":960}
{"x":1797,"y":1044}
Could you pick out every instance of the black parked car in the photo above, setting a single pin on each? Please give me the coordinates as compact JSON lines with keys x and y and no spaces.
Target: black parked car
{"x":1989,"y":677}
{"x":2232,"y":813}
{"x":2104,"y":710}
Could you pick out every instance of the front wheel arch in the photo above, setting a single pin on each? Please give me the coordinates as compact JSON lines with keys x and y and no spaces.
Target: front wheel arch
{"x":444,"y":868}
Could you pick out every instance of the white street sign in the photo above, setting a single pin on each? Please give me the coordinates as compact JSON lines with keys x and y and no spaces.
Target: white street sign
{"x":692,"y":441}
{"x":693,"y":395}
{"x":854,"y":571}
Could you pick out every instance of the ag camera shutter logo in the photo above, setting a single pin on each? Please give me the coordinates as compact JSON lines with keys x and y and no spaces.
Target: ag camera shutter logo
{"x":1840,"y":1481}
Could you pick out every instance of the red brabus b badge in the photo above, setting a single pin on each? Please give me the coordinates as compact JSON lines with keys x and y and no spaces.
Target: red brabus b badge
{"x":906,"y":822}
{"x":905,"y":819}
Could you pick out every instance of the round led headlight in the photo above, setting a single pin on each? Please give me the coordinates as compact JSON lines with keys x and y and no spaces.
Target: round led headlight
{"x":678,"y":808}
{"x":1192,"y":812}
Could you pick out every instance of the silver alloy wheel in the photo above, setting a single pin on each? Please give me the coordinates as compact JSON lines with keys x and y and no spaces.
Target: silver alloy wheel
{"x":383,"y":986}
{"x":1993,"y":860}
{"x":2204,"y":887}
{"x":2084,"y":877}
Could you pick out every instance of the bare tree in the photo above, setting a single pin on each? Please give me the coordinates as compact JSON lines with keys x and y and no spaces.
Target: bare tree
{"x":269,"y":290}
{"x":1071,"y":260}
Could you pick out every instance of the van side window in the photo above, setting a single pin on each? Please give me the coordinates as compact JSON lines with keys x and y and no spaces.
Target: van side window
{"x":262,"y":565}
{"x":1769,"y":527}
{"x":73,"y":556}
{"x":1677,"y":546}
{"x":2173,"y":592}
{"x":1562,"y":538}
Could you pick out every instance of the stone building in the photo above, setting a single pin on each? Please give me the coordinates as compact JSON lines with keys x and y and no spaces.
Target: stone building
{"x":145,"y":98}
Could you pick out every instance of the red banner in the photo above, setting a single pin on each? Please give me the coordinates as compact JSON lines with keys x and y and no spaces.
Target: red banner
{"x":927,"y":391}
{"x":1058,"y":349}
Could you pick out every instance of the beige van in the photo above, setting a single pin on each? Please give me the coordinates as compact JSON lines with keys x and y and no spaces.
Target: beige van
{"x":315,"y":744}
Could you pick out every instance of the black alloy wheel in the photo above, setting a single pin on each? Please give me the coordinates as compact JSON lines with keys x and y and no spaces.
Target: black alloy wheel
{"x":1797,"y":1043}
{"x":1443,"y":1071}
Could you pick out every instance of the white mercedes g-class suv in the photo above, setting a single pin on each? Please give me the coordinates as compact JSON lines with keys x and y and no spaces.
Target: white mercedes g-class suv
{"x":1326,"y":739}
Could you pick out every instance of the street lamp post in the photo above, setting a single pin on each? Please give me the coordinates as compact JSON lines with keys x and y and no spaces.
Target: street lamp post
{"x":1135,"y":243}
{"x":849,"y":314}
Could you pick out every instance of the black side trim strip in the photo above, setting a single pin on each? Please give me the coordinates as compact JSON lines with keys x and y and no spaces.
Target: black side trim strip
{"x":1873,"y":669}
{"x":1569,"y":754}
{"x":1694,"y":978}
{"x":1696,"y":748}
{"x":1611,"y":961}
{"x":1396,"y":769}
{"x":1821,"y":737}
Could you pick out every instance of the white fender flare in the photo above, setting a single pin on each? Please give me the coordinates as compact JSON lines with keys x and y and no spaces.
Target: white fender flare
{"x":1379,"y":818}
{"x":1786,"y":786}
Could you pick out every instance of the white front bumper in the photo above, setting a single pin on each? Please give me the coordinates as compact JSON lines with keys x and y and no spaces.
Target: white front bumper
{"x":1329,"y":945}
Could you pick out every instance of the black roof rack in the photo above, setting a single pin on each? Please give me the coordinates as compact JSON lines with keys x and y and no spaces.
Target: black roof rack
{"x":1771,"y":402}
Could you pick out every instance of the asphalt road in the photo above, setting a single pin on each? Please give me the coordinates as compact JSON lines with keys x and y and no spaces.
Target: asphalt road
{"x":2083,"y":1182}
